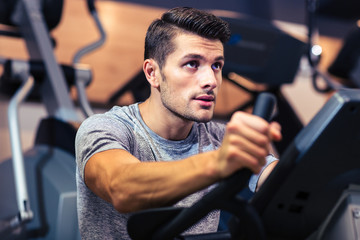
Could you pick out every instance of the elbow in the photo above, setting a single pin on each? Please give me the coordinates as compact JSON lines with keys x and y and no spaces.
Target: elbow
{"x":123,"y":201}
{"x":123,"y":205}
{"x":120,"y":201}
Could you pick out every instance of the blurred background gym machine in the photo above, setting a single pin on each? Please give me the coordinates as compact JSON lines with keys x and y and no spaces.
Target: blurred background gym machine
{"x":38,"y":188}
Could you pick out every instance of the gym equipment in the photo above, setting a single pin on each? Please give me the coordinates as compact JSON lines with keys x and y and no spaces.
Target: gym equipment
{"x":38,"y":187}
{"x":347,"y":63}
{"x":305,"y":197}
{"x":318,"y":167}
{"x":261,"y":52}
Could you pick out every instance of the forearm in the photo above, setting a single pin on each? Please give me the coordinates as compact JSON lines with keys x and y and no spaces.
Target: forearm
{"x":133,"y":185}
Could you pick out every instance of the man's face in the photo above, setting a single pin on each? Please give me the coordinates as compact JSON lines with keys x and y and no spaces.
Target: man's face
{"x":191,"y":77}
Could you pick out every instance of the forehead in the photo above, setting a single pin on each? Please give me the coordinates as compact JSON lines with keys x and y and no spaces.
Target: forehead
{"x":188,"y":43}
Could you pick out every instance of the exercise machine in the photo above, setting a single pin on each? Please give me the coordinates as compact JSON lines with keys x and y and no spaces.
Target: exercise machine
{"x":38,"y":187}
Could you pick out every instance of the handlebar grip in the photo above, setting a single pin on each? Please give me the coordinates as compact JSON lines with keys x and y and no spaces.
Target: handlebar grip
{"x":265,"y":105}
{"x":91,"y":5}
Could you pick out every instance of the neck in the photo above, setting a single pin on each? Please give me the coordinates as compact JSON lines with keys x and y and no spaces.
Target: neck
{"x":163,"y":122}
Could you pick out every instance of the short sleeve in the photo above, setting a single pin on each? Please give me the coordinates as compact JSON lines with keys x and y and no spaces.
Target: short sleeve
{"x":100,"y":133}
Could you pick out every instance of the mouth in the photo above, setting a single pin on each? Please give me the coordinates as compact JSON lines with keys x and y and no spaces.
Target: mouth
{"x":205,"y":100}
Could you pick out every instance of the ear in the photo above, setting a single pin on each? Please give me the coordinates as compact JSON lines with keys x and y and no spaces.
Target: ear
{"x":150,"y":68}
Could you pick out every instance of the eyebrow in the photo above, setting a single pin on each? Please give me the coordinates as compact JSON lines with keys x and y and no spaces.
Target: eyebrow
{"x":197,"y":56}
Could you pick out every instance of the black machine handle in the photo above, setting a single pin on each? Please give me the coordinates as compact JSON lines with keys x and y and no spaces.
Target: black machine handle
{"x":91,"y":5}
{"x":265,"y":105}
{"x":222,"y":197}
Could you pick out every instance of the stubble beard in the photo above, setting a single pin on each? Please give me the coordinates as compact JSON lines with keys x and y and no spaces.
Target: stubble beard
{"x":187,"y":114}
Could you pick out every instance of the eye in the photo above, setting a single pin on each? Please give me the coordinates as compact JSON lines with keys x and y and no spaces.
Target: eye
{"x":216,"y":66}
{"x":192,"y":64}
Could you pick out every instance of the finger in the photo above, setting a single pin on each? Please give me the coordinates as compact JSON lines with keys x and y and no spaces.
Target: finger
{"x":250,"y":120}
{"x":250,"y":134}
{"x":275,"y":131}
{"x":242,"y":159}
{"x":243,"y":144}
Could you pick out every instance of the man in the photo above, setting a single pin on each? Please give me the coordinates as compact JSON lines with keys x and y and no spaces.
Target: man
{"x":166,"y":151}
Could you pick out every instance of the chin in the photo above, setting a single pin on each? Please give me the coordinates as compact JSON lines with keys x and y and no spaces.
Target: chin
{"x":205,"y":116}
{"x":204,"y":119}
{"x":200,"y":115}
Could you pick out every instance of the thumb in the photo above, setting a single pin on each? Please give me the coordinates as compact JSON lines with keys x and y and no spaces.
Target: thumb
{"x":275,"y":131}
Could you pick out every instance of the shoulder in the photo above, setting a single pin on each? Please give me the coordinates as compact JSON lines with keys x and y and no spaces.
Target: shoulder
{"x":116,"y":115}
{"x":118,"y":123}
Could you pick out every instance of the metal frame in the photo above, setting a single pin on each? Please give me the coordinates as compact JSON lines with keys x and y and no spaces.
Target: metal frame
{"x":54,"y":90}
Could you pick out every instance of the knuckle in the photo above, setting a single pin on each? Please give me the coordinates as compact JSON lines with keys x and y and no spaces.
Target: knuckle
{"x":263,"y":140}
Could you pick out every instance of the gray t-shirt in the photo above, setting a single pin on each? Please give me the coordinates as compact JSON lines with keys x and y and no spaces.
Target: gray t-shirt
{"x":123,"y":128}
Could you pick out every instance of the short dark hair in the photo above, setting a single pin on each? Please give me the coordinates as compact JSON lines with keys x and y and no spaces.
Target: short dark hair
{"x":159,"y":36}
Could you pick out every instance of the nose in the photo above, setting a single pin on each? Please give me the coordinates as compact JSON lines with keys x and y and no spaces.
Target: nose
{"x":209,"y":79}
